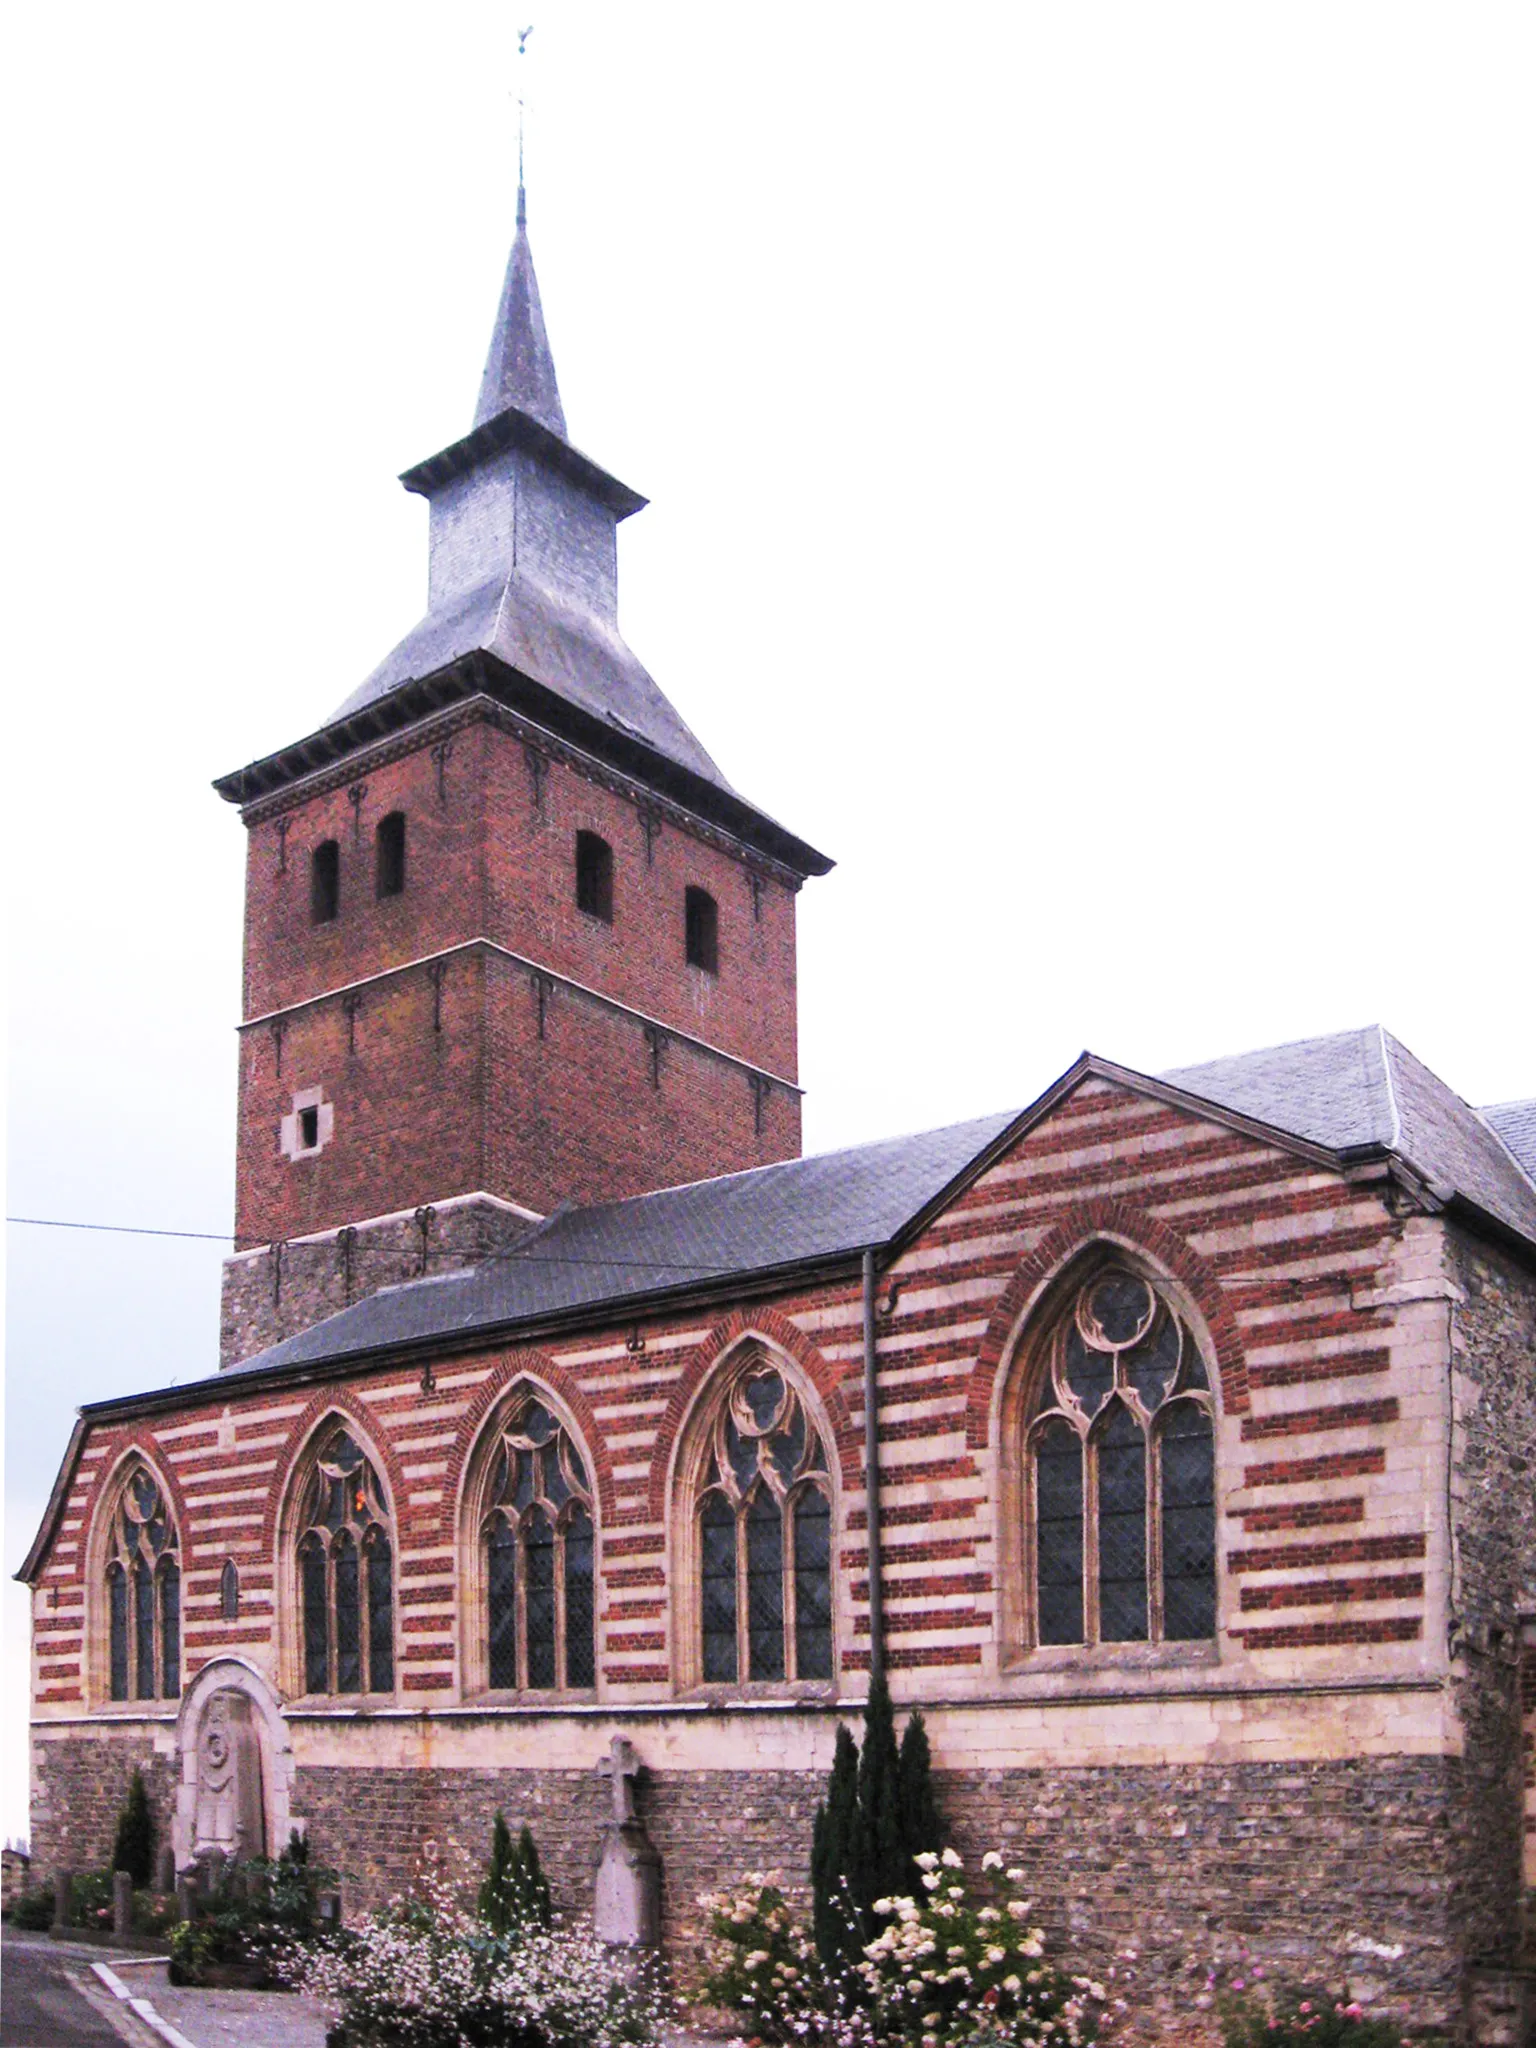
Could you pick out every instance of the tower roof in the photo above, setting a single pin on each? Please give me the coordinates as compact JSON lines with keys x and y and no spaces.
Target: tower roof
{"x":519,"y":370}
{"x":522,"y":600}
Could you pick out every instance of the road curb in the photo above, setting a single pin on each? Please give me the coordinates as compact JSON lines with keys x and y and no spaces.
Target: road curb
{"x":172,"y":2037}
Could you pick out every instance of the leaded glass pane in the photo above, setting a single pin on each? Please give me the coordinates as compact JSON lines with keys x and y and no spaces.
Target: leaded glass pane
{"x":1122,"y":1530}
{"x":381,"y":1615}
{"x":764,"y":1394}
{"x":1059,"y":1533}
{"x":742,"y":1452}
{"x":1122,"y":1305}
{"x":540,"y":1558}
{"x":1186,"y":1448}
{"x":143,"y":1631}
{"x":501,"y":1592}
{"x":316,"y":1624}
{"x":1151,"y":1367}
{"x":765,"y":1587}
{"x":580,"y":1650}
{"x":229,"y":1591}
{"x":717,"y":1543}
{"x":788,"y":1446}
{"x":117,"y":1608}
{"x":524,"y":1488}
{"x":1089,"y":1374}
{"x":170,"y":1628}
{"x":556,"y":1492}
{"x":349,"y":1658}
{"x":813,"y":1585}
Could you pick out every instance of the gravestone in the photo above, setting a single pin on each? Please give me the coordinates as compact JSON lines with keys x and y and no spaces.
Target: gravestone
{"x":627,"y":1908}
{"x":122,"y":1905}
{"x":230,"y":1817}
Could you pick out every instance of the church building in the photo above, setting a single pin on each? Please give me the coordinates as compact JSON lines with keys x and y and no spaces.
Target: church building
{"x":1171,"y":1441}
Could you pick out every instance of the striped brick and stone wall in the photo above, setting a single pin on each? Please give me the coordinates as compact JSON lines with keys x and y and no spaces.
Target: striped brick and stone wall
{"x":1325,"y":1771}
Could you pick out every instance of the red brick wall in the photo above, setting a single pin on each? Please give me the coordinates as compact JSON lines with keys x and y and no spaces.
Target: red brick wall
{"x":443,"y":1092}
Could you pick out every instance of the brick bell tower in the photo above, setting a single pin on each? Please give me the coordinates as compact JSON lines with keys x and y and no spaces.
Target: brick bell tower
{"x":511,"y":939}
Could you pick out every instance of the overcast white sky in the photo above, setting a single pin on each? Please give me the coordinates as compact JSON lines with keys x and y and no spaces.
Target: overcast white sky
{"x":1091,"y":450}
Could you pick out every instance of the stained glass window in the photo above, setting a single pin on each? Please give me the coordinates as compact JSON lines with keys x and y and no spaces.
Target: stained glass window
{"x":765,"y":1536}
{"x":538,"y":1552}
{"x":346,"y":1589}
{"x":143,"y":1575}
{"x":1122,"y":1472}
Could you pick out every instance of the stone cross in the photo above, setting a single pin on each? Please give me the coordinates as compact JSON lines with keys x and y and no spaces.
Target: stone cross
{"x":621,"y":1767}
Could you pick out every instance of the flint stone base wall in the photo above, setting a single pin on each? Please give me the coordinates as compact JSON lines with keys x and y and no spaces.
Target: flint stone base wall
{"x":1307,"y":1862}
{"x":79,"y":1787}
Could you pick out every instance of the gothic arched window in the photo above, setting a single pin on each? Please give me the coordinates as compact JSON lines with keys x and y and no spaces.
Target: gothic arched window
{"x":763,"y":1504}
{"x":346,"y":1574}
{"x":537,"y":1553}
{"x":143,"y":1573}
{"x":1122,"y":1474}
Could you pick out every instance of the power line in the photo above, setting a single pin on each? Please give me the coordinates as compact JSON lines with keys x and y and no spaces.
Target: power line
{"x":372,"y":1251}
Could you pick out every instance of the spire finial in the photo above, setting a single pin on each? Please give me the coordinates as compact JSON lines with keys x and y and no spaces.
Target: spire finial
{"x":522,"y":199}
{"x":519,"y":372}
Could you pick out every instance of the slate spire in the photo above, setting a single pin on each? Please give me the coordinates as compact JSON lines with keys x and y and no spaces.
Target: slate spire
{"x":520,"y":371}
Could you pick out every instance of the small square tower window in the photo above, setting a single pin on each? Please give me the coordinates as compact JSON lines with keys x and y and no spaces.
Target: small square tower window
{"x":389,"y":856}
{"x":594,"y":876}
{"x":701,"y":922}
{"x":325,"y":882}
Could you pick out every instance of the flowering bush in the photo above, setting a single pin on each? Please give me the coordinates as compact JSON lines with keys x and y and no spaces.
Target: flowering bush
{"x":427,"y":1974}
{"x":1258,"y":2010}
{"x":945,"y":1971}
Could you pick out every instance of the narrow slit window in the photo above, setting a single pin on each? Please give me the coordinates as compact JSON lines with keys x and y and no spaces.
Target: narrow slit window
{"x":229,"y":1591}
{"x":309,"y":1129}
{"x":325,"y":882}
{"x":701,"y":920}
{"x":389,"y":856}
{"x":594,"y":876}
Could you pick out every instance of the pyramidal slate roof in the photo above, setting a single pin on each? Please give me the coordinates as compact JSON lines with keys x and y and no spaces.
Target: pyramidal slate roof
{"x":1356,"y":1094}
{"x":522,"y":600}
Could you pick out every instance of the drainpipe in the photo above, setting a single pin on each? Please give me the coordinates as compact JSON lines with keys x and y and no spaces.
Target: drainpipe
{"x":872,"y":1478}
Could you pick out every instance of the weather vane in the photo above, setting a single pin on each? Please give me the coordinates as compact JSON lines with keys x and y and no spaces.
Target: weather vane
{"x":522,"y":50}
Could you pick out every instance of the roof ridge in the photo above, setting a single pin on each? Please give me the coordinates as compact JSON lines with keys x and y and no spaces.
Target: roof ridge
{"x":1383,"y":1038}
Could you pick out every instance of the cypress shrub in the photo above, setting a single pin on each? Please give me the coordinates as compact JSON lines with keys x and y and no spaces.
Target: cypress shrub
{"x":134,"y":1850}
{"x":880,"y":1856}
{"x":919,"y":1810}
{"x":832,"y":1852}
{"x":532,"y":1884}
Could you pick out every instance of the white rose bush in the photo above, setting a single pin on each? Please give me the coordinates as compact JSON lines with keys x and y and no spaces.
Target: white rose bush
{"x":946,"y":1969}
{"x":426,"y":1973}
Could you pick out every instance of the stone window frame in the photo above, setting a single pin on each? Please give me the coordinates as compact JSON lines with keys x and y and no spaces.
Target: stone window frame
{"x":98,"y":1615}
{"x":1040,"y":1328}
{"x":290,"y":1532}
{"x":689,"y":1481}
{"x":475,"y":1506}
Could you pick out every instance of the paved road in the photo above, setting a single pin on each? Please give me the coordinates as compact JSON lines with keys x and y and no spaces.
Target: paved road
{"x":39,"y":2005}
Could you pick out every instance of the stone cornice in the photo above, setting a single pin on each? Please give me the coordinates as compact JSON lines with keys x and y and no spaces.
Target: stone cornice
{"x":483,"y":709}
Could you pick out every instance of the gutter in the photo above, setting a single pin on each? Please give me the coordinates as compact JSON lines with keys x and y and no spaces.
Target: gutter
{"x":872,"y":1477}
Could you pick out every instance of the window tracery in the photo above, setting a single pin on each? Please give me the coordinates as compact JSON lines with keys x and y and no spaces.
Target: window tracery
{"x":764,"y":1518}
{"x":346,"y":1574}
{"x":537,"y":1552}
{"x":1121,"y":1459}
{"x":143,"y":1587}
